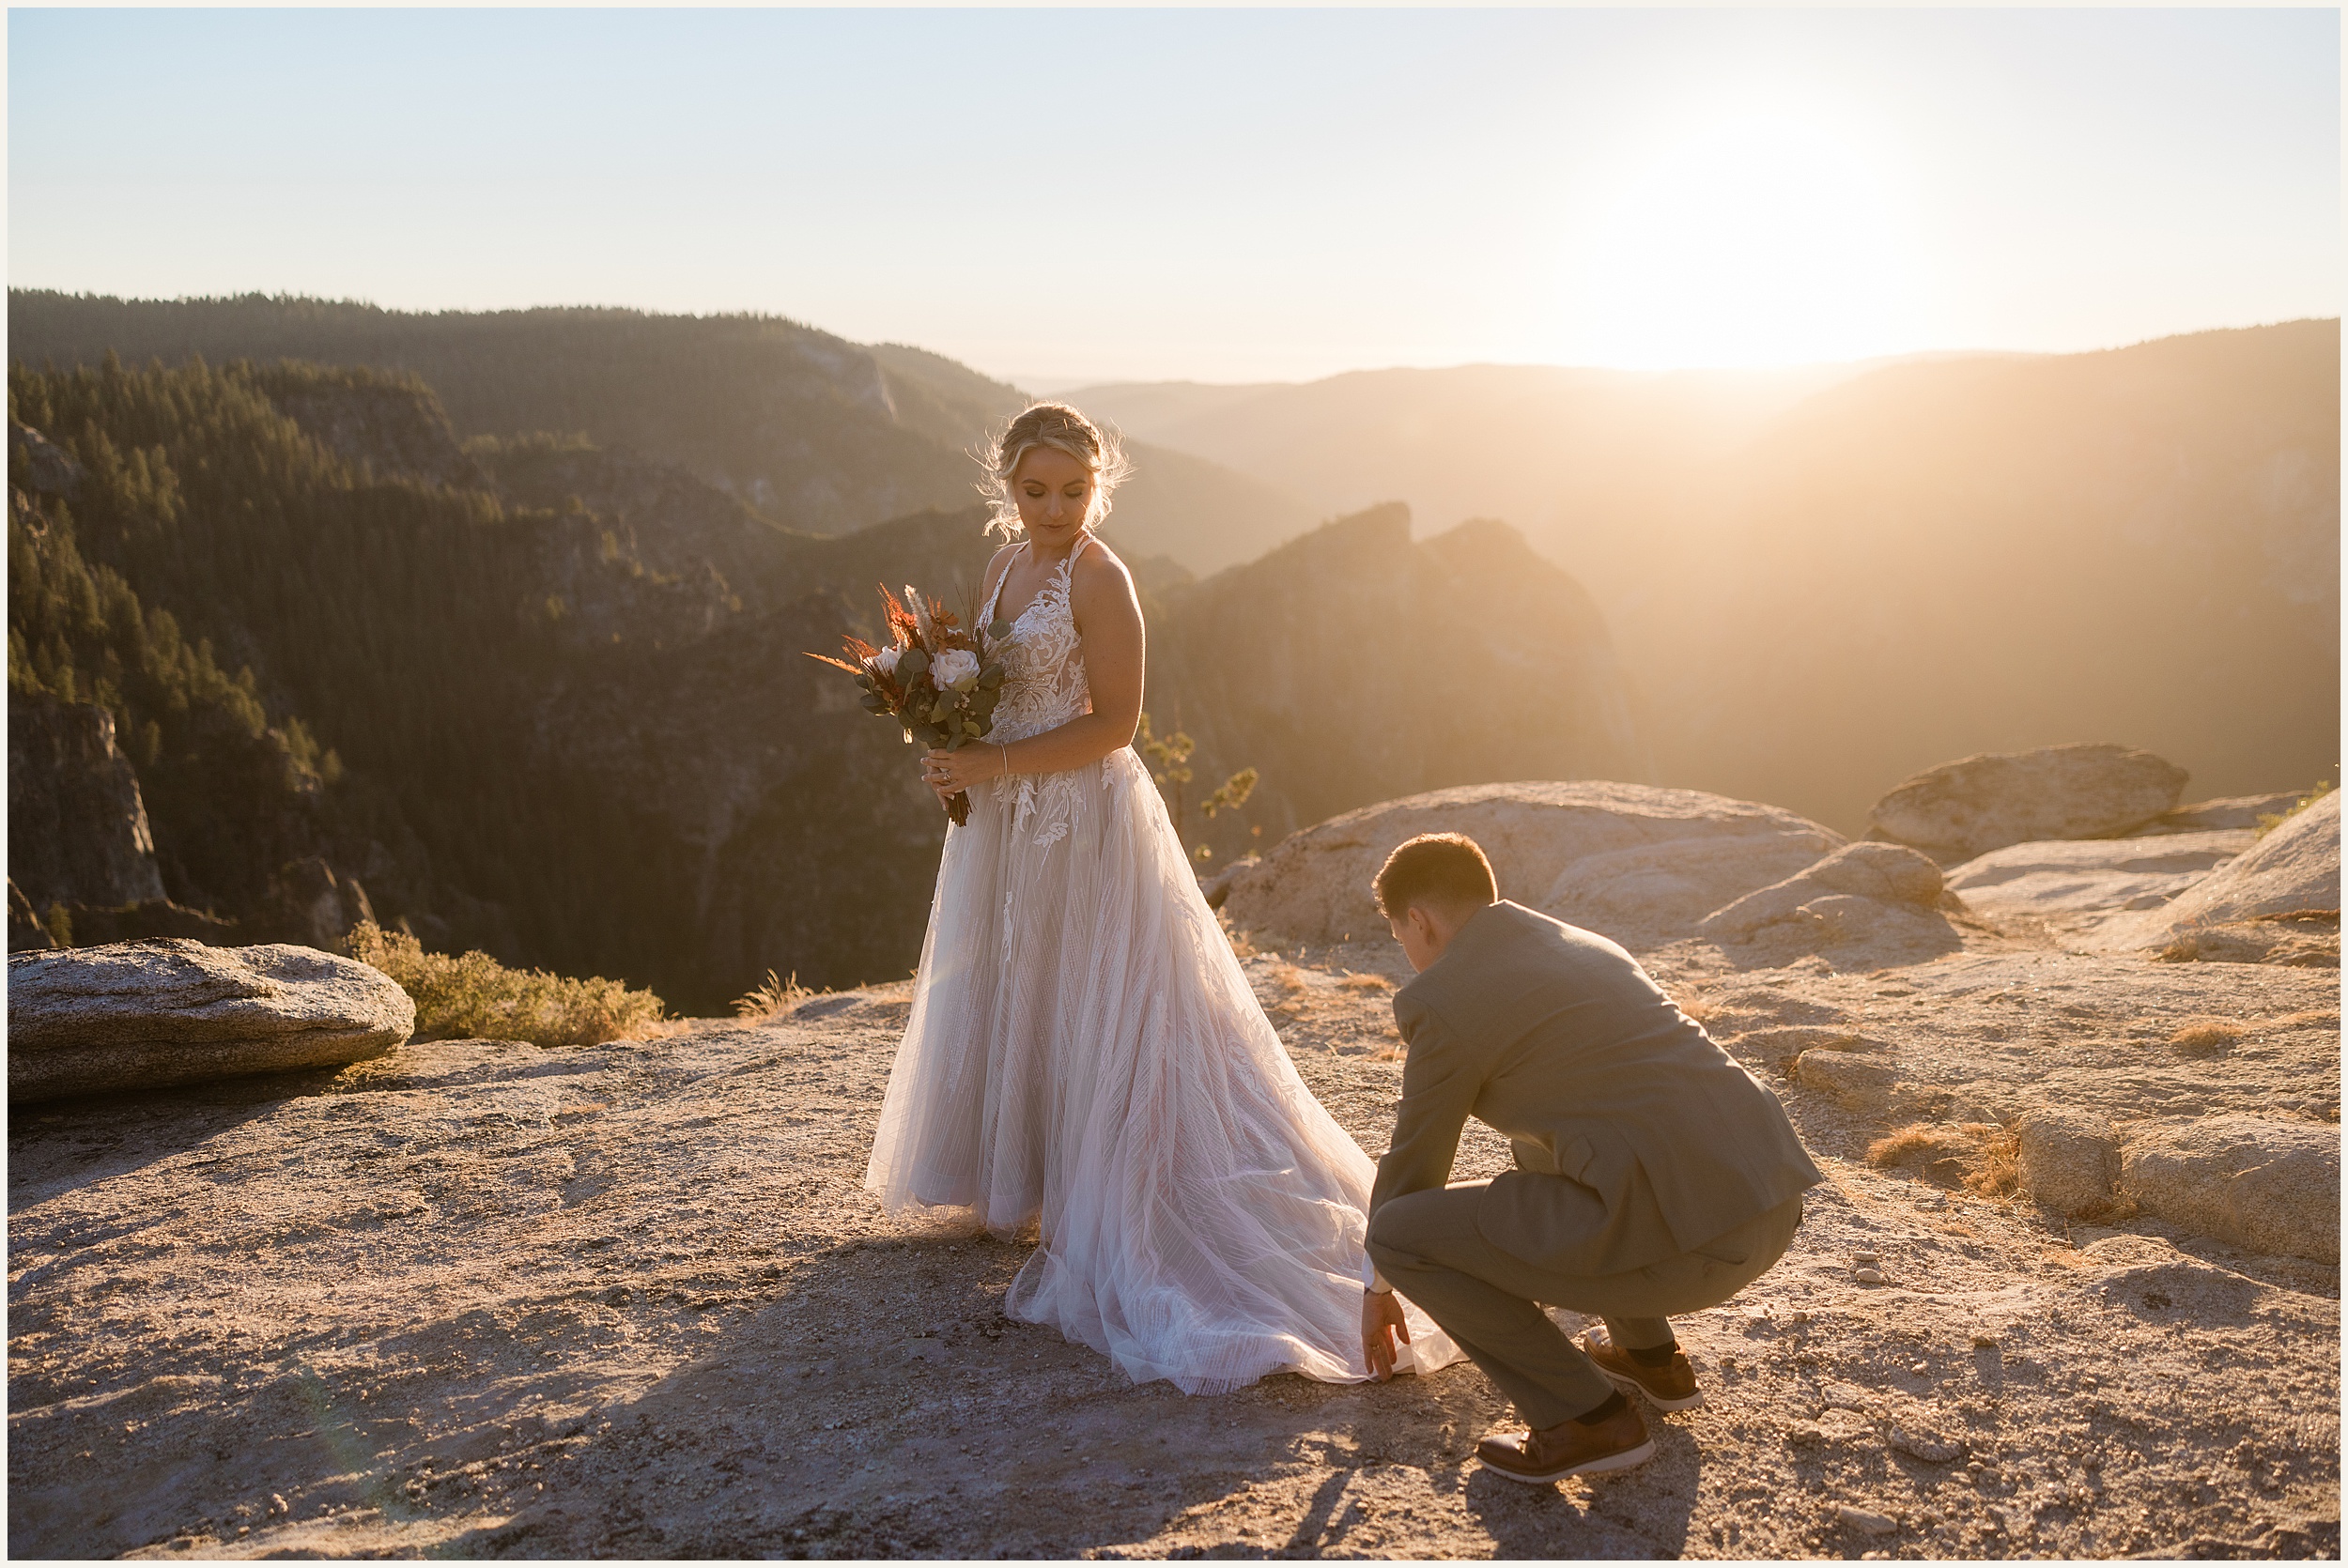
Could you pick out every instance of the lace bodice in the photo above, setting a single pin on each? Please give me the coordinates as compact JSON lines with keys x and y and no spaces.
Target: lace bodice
{"x":1044,"y":663}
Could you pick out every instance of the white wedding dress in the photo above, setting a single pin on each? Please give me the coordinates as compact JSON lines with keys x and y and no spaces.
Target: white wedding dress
{"x":1085,"y":1051}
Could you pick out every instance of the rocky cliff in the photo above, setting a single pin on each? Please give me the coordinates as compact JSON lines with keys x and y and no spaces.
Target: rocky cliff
{"x":77,"y":826}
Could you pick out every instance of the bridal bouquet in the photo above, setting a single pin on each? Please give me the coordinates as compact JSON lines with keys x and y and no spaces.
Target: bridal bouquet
{"x":934,"y":677}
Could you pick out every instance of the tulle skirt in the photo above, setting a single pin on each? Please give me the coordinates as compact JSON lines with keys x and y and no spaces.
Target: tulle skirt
{"x":1084,"y":1050}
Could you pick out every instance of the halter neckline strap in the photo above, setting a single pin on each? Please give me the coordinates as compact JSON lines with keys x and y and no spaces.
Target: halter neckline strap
{"x":1064,"y":571}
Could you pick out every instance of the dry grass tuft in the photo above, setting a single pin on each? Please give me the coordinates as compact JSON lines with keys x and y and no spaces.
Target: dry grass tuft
{"x":1243,"y":943}
{"x":1291,"y":976}
{"x":2203,"y":1037}
{"x":773,"y":997}
{"x":1365,"y":982}
{"x":1976,"y":1156}
{"x":2313,"y":1020}
{"x":1700,"y":1008}
{"x":476,"y":997}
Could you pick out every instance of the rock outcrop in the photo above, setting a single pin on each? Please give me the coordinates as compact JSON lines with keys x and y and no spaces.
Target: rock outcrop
{"x":2278,"y":902}
{"x":2293,"y":870}
{"x":1634,"y":862}
{"x":2083,"y":882}
{"x":311,"y":906}
{"x":26,"y":931}
{"x":1885,"y":900}
{"x":2269,"y":1185}
{"x":2067,"y":1160}
{"x":77,"y":824}
{"x":139,"y":1015}
{"x":1968,"y":808}
{"x":43,"y":466}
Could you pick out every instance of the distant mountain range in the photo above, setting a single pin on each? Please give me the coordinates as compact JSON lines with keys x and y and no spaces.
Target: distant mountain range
{"x":1821,"y":580}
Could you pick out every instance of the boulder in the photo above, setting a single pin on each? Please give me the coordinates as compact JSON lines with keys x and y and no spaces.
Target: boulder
{"x":2078,"y":882}
{"x":1968,"y":808}
{"x":2294,"y":871}
{"x":2270,"y":1186}
{"x":2067,"y":1160}
{"x":136,"y":1015}
{"x":1650,"y":894}
{"x":1314,"y":885}
{"x":1846,"y":888}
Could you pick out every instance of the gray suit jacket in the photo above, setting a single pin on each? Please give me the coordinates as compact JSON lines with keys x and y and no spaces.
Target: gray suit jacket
{"x":1556,"y":1036}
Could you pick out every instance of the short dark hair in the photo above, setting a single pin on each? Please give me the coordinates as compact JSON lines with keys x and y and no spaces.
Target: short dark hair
{"x":1434,"y":867}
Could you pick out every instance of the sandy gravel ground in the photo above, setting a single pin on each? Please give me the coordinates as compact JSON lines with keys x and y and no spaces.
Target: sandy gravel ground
{"x":482,"y":1299}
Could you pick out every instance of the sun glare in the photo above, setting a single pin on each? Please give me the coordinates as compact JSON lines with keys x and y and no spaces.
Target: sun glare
{"x":1752,"y":238}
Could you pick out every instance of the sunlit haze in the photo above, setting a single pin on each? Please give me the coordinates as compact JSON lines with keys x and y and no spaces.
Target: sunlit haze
{"x":1060,"y":196}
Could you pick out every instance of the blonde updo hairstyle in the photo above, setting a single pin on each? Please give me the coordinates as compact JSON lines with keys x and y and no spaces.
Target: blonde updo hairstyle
{"x":1063,"y":429}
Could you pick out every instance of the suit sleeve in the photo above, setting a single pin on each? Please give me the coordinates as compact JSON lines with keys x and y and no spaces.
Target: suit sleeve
{"x":1441,"y":1079}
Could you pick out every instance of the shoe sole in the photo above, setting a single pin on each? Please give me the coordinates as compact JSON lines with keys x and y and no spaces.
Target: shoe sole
{"x":1622,"y":1461}
{"x":1631,"y":1385}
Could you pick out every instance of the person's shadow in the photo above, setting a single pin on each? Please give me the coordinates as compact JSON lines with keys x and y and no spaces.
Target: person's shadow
{"x":962,"y":1433}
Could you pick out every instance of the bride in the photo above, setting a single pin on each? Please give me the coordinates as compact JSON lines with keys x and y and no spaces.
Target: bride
{"x":1084,"y":1049}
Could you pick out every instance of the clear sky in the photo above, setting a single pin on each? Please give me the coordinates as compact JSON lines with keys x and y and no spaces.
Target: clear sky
{"x":1065,"y":195}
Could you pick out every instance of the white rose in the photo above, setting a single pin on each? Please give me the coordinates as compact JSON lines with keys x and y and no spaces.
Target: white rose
{"x":884,"y":662}
{"x":952,"y":667}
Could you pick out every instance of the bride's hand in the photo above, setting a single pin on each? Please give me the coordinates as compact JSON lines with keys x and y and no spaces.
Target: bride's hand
{"x":950,"y":772}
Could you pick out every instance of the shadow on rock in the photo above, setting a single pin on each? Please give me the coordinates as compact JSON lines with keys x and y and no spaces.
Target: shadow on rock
{"x":884,"y":1406}
{"x":60,"y":1144}
{"x":1639,"y":1512}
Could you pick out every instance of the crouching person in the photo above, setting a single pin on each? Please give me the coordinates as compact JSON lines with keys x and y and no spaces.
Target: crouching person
{"x":1655,"y":1175}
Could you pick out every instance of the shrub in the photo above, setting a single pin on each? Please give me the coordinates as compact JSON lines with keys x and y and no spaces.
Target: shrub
{"x":476,"y":997}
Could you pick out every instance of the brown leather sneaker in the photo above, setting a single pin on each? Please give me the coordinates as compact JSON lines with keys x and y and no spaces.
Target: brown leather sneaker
{"x":1670,"y":1387}
{"x":1554,"y":1453}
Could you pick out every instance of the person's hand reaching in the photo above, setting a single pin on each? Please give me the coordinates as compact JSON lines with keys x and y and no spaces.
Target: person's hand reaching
{"x":1381,"y":1323}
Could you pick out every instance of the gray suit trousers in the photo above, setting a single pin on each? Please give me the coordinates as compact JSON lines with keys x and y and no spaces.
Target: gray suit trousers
{"x":1427,"y":1246}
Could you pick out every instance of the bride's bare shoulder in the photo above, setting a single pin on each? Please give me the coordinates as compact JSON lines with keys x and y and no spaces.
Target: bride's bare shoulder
{"x":997,"y":562}
{"x":1100,"y":569}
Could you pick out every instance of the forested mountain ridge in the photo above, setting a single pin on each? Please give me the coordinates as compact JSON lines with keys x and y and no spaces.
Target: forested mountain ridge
{"x":808,"y":429}
{"x":547,"y":698}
